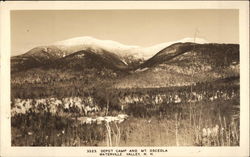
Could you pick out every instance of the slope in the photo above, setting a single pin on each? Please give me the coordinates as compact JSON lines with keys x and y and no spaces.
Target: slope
{"x":183,"y":64}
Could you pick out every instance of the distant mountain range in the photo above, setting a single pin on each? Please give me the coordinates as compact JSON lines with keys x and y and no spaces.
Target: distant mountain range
{"x":167,"y":64}
{"x":41,"y":55}
{"x":83,"y":43}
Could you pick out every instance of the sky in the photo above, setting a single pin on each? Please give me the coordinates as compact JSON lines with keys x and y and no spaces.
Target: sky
{"x":130,"y":27}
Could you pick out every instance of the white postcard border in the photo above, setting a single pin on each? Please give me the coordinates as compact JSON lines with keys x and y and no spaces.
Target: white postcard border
{"x":6,"y":7}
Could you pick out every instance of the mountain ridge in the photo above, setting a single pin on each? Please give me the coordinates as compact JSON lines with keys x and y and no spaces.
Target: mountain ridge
{"x":185,"y":64}
{"x":179,"y":64}
{"x":130,"y":55}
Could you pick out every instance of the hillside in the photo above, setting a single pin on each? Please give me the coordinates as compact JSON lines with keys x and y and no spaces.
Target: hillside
{"x":91,"y":59}
{"x":183,"y":64}
{"x":188,"y":53}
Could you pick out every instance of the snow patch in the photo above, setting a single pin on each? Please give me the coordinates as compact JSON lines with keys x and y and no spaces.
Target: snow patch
{"x":141,"y":70}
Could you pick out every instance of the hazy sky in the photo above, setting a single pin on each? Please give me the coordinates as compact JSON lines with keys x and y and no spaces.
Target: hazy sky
{"x":130,"y":27}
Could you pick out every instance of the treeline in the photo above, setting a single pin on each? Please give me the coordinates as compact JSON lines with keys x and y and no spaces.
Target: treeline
{"x":77,"y":88}
{"x":58,"y":76}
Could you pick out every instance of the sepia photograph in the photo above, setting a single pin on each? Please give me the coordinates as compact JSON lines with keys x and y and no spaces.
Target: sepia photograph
{"x":125,"y":78}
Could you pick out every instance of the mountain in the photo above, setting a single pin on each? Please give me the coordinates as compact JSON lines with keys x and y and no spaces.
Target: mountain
{"x":130,"y":55}
{"x":86,"y":66}
{"x":63,"y":51}
{"x":36,"y":57}
{"x":91,"y":59}
{"x":46,"y":52}
{"x":124,"y":51}
{"x":99,"y":63}
{"x":149,"y":52}
{"x":83,"y":43}
{"x":46,"y":55}
{"x":183,"y":64}
{"x":188,"y":53}
{"x":179,"y":64}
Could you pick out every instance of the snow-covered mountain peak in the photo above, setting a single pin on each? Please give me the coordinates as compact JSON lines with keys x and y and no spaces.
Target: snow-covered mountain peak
{"x":195,"y":40}
{"x":83,"y":43}
{"x":90,"y":41}
{"x":86,"y":42}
